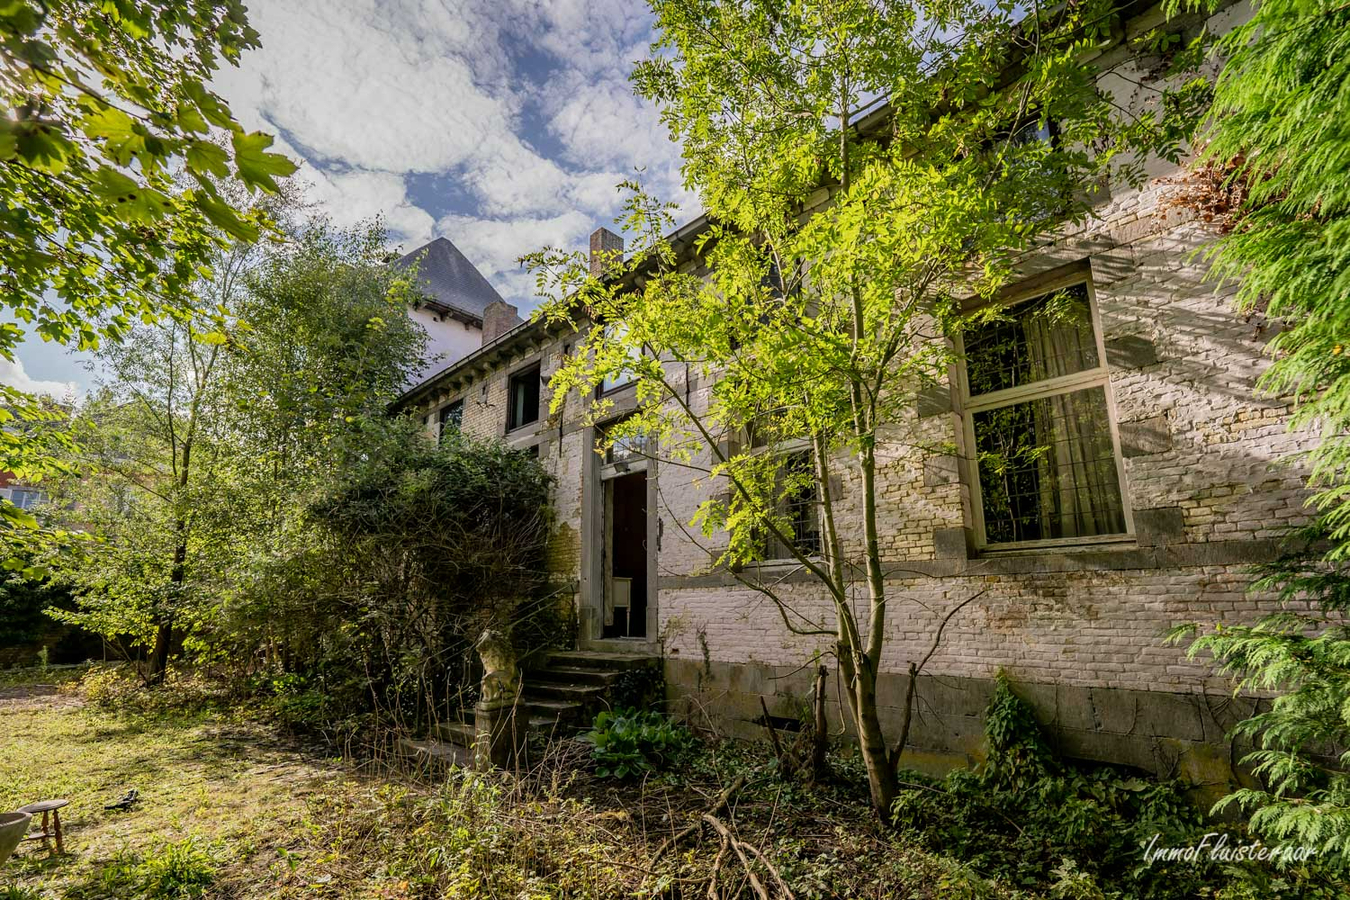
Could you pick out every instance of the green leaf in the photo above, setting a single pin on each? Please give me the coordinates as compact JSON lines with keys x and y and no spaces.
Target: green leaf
{"x":16,"y":517}
{"x":225,"y":217}
{"x":257,"y":167}
{"x":210,"y":106}
{"x":41,"y":146}
{"x":127,"y":199}
{"x":206,"y":158}
{"x":116,"y":128}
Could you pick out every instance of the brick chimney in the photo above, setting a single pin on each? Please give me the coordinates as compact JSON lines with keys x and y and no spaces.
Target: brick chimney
{"x":498,"y":318}
{"x":606,"y":249}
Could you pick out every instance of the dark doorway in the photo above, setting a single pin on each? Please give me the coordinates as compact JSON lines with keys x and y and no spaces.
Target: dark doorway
{"x":626,"y":556}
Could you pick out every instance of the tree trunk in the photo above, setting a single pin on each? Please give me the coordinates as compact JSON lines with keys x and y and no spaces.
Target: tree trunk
{"x":821,"y":739}
{"x":876,"y":755}
{"x":158,"y":661}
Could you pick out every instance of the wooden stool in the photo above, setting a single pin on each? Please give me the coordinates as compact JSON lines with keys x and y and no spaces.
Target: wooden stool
{"x":48,"y":808}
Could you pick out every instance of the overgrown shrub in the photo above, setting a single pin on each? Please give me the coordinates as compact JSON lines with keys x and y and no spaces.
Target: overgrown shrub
{"x":627,"y":742}
{"x":412,"y":555}
{"x":1303,"y":739}
{"x":1028,"y":817}
{"x":120,"y":688}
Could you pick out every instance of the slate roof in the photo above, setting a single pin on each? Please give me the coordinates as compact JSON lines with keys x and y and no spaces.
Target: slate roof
{"x":448,"y":278}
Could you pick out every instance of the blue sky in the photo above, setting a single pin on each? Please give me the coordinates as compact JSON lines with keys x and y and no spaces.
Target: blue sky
{"x":503,"y":126}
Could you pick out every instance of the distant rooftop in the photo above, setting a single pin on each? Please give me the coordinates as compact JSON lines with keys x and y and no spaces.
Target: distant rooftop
{"x":449,"y":279}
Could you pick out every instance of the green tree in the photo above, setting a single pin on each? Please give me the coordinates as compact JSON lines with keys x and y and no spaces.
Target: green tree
{"x":200,"y":447}
{"x":817,"y":336}
{"x":417,"y":549}
{"x":149,"y":472}
{"x":1300,"y":741}
{"x":101,"y":104}
{"x":1276,"y":161}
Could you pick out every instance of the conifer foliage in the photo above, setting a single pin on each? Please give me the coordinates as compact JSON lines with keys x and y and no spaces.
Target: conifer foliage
{"x":1280,"y":128}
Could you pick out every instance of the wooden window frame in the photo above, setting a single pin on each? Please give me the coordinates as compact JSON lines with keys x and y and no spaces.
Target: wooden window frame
{"x":534,"y":370}
{"x":1099,"y":376}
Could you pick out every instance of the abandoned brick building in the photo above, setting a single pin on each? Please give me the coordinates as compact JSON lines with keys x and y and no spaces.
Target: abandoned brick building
{"x":1178,"y":489}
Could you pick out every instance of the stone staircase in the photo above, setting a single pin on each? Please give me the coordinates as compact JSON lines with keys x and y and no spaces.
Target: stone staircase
{"x":560,"y":698}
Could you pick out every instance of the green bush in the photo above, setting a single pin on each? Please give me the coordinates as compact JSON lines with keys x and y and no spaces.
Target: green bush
{"x":119,"y":688}
{"x":626,"y":742}
{"x":23,"y":606}
{"x":1028,"y":818}
{"x":1302,"y":652}
{"x":414,"y":554}
{"x":15,"y":892}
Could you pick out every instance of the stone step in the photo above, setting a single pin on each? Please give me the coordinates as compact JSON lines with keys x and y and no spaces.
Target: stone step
{"x":560,"y":710}
{"x":574,"y":675}
{"x":600,"y":659}
{"x":563,"y":690}
{"x":462,"y":733}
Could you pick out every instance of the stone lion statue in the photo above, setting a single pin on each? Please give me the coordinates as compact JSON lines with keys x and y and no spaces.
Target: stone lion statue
{"x":501,"y":676}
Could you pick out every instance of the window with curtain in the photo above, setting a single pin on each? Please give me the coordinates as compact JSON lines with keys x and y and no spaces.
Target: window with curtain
{"x":1038,"y":421}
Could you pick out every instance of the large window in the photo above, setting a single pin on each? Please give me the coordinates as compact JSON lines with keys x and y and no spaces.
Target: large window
{"x":522,"y":402}
{"x":1047,"y":469}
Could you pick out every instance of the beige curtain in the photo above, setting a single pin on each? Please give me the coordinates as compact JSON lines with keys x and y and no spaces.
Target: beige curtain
{"x":1077,"y":480}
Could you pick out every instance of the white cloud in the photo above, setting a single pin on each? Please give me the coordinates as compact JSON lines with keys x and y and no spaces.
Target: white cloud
{"x":370,"y":92}
{"x":391,"y":87}
{"x":605,"y":124}
{"x":12,"y":373}
{"x":350,"y":197}
{"x":495,"y":245}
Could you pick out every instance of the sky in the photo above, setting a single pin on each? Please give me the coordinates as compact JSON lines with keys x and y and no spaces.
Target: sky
{"x":503,"y":125}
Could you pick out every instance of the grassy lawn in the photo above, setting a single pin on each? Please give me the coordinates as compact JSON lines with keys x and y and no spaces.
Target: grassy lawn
{"x":216,"y":793}
{"x":230,"y":808}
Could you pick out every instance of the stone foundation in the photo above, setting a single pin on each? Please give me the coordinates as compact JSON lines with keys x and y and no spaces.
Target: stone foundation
{"x":1164,"y":734}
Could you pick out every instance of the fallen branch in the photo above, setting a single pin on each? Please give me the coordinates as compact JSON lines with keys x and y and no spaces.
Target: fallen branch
{"x":778,"y":879}
{"x":721,"y":804}
{"x":755,"y":884}
{"x":713,"y":893}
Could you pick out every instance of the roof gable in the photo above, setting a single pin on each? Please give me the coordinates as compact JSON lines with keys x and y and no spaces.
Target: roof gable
{"x":447,"y":277}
